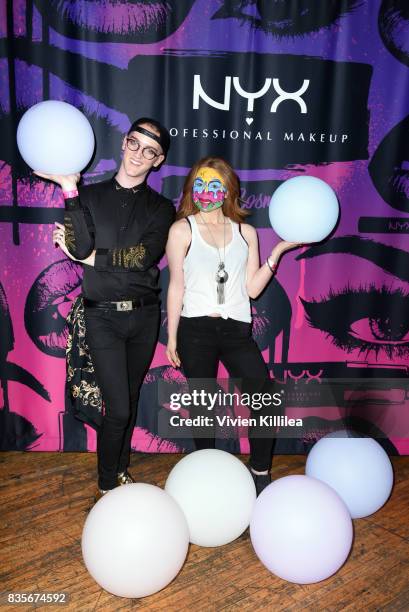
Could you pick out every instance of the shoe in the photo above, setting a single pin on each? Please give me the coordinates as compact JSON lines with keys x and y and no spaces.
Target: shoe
{"x":97,"y":496}
{"x":100,"y":493}
{"x":125,"y":478}
{"x":260,"y":480}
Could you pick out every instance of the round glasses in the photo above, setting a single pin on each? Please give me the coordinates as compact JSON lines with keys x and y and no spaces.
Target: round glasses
{"x":147,"y":152}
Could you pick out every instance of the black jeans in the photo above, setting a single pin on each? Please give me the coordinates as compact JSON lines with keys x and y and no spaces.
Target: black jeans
{"x":121,"y":345}
{"x":201,"y":343}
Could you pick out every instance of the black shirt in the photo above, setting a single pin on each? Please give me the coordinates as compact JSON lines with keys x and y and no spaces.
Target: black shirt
{"x":128,"y":228}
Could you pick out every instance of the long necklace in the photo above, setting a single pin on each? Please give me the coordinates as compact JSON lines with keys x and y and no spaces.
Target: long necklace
{"x":221,"y":274}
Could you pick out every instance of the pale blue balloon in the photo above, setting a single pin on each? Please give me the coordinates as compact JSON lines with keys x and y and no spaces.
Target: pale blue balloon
{"x":358,"y":469}
{"x":54,"y":137}
{"x":301,"y":529}
{"x":304,"y":209}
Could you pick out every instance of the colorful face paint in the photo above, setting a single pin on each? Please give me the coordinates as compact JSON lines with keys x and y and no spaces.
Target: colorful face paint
{"x":209,"y":190}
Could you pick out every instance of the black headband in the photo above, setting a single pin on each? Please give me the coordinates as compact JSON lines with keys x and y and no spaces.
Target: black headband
{"x":148,"y":133}
{"x":154,"y":130}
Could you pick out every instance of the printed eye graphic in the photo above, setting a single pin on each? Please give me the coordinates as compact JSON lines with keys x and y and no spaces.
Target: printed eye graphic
{"x":393,"y":25}
{"x":143,"y":21}
{"x":367,"y":319}
{"x":284,"y":18}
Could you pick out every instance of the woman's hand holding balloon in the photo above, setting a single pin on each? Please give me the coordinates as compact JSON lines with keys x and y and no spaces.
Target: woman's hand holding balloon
{"x":282,"y":247}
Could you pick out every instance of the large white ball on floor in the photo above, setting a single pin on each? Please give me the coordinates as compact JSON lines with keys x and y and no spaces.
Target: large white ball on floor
{"x":54,"y":137}
{"x":216,"y":493}
{"x":303,"y":209}
{"x":358,"y":469}
{"x":301,"y":529}
{"x":135,"y":540}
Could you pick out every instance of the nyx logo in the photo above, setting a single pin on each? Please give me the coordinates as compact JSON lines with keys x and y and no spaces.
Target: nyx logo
{"x":251,"y":96}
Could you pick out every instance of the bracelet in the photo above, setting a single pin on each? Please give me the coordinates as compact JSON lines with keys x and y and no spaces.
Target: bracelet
{"x":70,"y":194}
{"x":273,"y":267}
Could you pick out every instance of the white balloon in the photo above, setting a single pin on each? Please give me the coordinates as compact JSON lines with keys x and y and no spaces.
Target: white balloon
{"x":135,"y":540}
{"x":55,"y":138}
{"x":301,"y":529}
{"x":303,"y":209}
{"x":216,"y":493}
{"x":358,"y":469}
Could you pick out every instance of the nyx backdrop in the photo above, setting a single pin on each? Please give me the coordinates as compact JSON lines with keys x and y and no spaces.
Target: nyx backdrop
{"x":279,"y":88}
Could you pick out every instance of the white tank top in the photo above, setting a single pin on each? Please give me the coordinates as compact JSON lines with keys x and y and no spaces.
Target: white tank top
{"x":200,"y":268}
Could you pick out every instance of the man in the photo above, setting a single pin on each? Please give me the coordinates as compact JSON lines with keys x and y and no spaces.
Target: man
{"x":119,"y":228}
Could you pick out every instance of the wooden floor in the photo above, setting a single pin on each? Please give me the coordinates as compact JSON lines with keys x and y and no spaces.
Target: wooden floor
{"x":44,"y":498}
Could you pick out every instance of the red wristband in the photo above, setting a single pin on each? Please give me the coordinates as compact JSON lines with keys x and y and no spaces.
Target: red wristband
{"x":70,"y":194}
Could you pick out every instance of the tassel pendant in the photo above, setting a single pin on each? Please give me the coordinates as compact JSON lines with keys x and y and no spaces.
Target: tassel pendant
{"x":221,"y":278}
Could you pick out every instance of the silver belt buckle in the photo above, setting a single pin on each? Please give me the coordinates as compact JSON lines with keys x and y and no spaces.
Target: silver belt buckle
{"x":125,"y":305}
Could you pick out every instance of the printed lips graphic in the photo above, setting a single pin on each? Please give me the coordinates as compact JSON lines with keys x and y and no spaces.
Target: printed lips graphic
{"x":393,"y":25}
{"x":16,"y":431}
{"x":48,"y":303}
{"x":388,"y":167}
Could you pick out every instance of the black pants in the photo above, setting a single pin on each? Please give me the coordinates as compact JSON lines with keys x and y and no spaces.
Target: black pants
{"x":121,"y":346}
{"x":201,"y":343}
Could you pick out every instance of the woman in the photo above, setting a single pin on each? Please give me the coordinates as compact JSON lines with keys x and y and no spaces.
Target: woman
{"x":214,"y":271}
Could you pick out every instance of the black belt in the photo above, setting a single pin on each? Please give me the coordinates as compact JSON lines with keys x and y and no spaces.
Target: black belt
{"x":123,"y":305}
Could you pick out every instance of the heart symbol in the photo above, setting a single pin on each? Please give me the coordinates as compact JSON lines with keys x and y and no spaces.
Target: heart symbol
{"x":249,"y":120}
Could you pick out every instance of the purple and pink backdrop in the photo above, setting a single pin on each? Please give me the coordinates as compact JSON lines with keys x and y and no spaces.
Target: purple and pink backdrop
{"x":278,"y":88}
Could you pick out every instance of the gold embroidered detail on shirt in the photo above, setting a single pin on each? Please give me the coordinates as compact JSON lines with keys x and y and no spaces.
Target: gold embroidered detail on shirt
{"x":69,"y":233}
{"x":130,"y":257}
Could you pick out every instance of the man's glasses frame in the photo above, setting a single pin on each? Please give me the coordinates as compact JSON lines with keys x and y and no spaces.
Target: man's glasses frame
{"x":147,"y":152}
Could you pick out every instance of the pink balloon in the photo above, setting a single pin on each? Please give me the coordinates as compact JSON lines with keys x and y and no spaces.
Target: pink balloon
{"x":301,"y":529}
